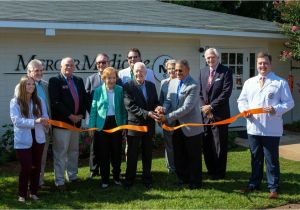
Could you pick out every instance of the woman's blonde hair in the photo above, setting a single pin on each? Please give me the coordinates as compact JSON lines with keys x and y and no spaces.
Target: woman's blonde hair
{"x":22,"y":99}
{"x":108,"y":71}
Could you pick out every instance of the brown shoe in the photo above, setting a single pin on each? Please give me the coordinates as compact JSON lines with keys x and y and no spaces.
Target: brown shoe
{"x":247,"y":190}
{"x":61,"y":188}
{"x":273,"y":195}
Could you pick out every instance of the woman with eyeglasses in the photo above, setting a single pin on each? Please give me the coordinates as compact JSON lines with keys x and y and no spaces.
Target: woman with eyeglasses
{"x":108,"y":111}
{"x":29,"y":116}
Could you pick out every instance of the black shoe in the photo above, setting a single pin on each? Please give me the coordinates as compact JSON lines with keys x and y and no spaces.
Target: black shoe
{"x":195,"y":186}
{"x":180,"y":183}
{"x":148,"y":185}
{"x":217,"y":177}
{"x":93,"y":175}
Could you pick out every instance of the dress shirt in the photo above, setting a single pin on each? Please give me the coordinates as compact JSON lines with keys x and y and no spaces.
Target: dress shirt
{"x":276,"y":93}
{"x":111,"y":103}
{"x":143,"y":89}
{"x":40,"y":90}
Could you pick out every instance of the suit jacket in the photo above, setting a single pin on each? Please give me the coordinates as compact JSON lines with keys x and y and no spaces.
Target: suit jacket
{"x":100,"y":107}
{"x":62,"y":103}
{"x":218,"y":94}
{"x":45,"y":88}
{"x":93,"y":82}
{"x":185,"y":107}
{"x":137,"y":106}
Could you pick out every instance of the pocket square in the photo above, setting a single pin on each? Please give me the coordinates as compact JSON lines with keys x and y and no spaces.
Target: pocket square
{"x":64,"y":87}
{"x":218,"y":79}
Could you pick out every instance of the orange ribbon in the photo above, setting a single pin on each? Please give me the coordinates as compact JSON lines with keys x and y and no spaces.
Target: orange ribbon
{"x":73,"y":128}
{"x":164,"y":126}
{"x":222,"y":122}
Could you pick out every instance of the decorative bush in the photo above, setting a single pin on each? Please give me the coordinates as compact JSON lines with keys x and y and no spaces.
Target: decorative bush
{"x":7,"y":152}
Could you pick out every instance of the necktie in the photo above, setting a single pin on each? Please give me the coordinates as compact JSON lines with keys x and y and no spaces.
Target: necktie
{"x":211,"y":77}
{"x":131,"y":75}
{"x":178,"y":89}
{"x":74,"y":94}
{"x":262,"y":81}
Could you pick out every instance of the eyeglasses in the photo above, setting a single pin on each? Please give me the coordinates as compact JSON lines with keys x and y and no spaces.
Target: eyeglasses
{"x":179,"y":70}
{"x":101,"y":62}
{"x":132,"y":57}
{"x":69,"y":65}
{"x":171,"y":69}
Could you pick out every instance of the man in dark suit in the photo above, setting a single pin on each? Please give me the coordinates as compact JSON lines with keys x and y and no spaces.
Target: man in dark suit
{"x":68,"y":104}
{"x":92,"y":82}
{"x":140,"y":99}
{"x":182,"y":106}
{"x":215,"y":90}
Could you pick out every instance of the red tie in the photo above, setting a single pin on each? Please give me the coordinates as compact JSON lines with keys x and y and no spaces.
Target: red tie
{"x":74,"y":95}
{"x":211,"y":77}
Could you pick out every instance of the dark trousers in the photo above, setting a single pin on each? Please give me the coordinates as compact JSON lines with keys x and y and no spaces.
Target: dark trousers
{"x":188,"y":157}
{"x":110,"y":150}
{"x":134,"y":143}
{"x":30,"y":160}
{"x":264,"y":147}
{"x":94,"y":156}
{"x":215,"y":150}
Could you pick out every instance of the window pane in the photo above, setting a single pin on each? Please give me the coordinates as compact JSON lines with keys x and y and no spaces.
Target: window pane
{"x":239,"y":70}
{"x":224,"y":58}
{"x":232,"y":69}
{"x":232,"y":58}
{"x":239,"y":58}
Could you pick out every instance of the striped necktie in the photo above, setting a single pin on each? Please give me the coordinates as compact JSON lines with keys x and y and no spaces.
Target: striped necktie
{"x":74,"y":94}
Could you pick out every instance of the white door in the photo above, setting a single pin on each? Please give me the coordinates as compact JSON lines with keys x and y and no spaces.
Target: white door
{"x":238,"y":61}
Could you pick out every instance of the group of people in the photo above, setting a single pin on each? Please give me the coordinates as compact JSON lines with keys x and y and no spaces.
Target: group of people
{"x":111,"y":98}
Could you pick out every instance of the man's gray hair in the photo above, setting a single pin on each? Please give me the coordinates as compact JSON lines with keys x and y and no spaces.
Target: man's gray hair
{"x":183,"y":62}
{"x":212,"y":51}
{"x":33,"y":63}
{"x":140,"y":64}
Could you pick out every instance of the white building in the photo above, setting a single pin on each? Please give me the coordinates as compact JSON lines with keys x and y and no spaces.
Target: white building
{"x":50,"y":30}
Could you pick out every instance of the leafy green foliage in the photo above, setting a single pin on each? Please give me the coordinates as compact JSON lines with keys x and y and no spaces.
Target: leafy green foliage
{"x":290,"y":26}
{"x":7,"y":152}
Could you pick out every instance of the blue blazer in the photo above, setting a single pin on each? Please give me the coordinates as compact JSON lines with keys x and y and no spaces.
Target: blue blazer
{"x":100,"y":107}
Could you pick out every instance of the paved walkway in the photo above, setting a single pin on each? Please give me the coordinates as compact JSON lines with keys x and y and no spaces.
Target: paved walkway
{"x":289,"y":145}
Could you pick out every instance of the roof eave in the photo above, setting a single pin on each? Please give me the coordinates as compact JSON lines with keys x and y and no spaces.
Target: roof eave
{"x":136,"y":28}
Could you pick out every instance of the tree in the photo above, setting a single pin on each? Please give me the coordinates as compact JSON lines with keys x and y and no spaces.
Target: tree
{"x":255,"y":9}
{"x":290,"y":27}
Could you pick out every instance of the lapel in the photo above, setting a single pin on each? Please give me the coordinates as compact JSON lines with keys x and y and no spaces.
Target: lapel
{"x":97,"y":80}
{"x":139,"y":91}
{"x":104,"y":94}
{"x":205,"y":77}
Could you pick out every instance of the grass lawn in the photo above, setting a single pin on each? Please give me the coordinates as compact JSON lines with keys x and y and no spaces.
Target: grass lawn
{"x":214,"y":194}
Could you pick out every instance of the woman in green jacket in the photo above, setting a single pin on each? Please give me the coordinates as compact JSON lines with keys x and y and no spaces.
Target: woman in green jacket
{"x":108,"y":111}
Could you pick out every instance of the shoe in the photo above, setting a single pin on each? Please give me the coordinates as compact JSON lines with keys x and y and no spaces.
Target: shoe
{"x":273,"y":195}
{"x":104,"y":186}
{"x":21,"y":199}
{"x":127,"y":186}
{"x":195,"y":186}
{"x":248,"y":190}
{"x":61,"y":188}
{"x":180,"y":183}
{"x":117,"y":182}
{"x":148,"y":185}
{"x":34,"y":197}
{"x":93,"y":175}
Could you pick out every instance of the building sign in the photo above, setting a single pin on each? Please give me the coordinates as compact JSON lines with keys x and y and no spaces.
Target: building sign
{"x":159,"y":69}
{"x":85,"y":65}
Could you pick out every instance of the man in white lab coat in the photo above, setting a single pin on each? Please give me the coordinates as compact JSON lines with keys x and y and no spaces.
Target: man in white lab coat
{"x":271,"y":92}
